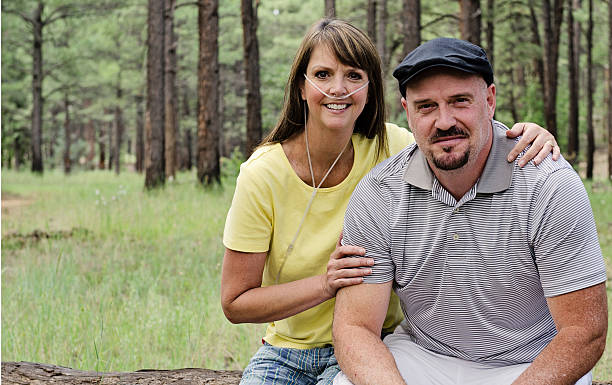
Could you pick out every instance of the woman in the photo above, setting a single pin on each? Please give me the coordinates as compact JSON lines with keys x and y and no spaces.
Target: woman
{"x":283,"y":263}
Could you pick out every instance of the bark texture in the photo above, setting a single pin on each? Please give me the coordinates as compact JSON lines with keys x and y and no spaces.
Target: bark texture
{"x":208,"y":93}
{"x":154,"y":125}
{"x":411,"y":27}
{"x":590,"y":89}
{"x":37,"y":78}
{"x":170,"y":126}
{"x":330,"y":8}
{"x":470,"y":20}
{"x":553,"y":16}
{"x":573,"y":30}
{"x":251,"y":64}
{"x":18,"y":373}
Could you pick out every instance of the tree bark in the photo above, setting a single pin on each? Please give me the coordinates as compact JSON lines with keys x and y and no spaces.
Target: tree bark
{"x":590,"y":130}
{"x":491,"y":32}
{"x":381,"y":43}
{"x":330,"y":8}
{"x":170,"y":90}
{"x":139,"y":134}
{"x":67,"y":135}
{"x":537,"y":41}
{"x":573,"y":29}
{"x":411,"y":27}
{"x":17,"y":373}
{"x":37,"y":78}
{"x":470,"y":20}
{"x":118,"y":122}
{"x":372,"y":5}
{"x":102,"y":146}
{"x":154,"y":127}
{"x":251,"y":64}
{"x":208,"y":94}
{"x":553,"y":17}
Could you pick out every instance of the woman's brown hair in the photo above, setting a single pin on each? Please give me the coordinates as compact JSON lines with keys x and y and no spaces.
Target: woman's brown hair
{"x":353,"y":48}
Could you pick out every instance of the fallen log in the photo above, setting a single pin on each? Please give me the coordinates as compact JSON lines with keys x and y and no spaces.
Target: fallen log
{"x":20,"y":373}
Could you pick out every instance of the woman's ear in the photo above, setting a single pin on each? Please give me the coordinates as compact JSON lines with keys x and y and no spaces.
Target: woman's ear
{"x":302,"y":92}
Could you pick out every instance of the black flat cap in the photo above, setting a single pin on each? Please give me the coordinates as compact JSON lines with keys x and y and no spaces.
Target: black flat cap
{"x":443,"y":52}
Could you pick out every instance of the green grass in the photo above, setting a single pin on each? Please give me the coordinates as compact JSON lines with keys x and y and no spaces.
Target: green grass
{"x":129,"y":279}
{"x":139,"y":288}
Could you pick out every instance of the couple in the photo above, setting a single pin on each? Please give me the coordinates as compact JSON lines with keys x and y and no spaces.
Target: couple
{"x":500,"y":279}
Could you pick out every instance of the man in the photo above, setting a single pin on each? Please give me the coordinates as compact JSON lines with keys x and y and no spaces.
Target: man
{"x":498,"y":268}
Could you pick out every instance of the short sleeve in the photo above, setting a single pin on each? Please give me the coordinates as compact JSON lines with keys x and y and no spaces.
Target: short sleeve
{"x":248,"y":226}
{"x":564,"y":236}
{"x":366,"y":224}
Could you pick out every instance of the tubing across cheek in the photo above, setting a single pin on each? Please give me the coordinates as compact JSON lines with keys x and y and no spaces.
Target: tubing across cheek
{"x":336,"y":97}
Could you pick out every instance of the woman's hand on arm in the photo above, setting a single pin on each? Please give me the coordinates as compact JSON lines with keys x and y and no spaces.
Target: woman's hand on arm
{"x":542,"y":143}
{"x":343,"y":269}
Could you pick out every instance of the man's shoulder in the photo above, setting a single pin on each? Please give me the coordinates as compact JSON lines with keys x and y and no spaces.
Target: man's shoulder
{"x":392,"y":168}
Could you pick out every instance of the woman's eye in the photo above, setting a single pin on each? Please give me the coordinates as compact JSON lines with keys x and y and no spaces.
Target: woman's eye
{"x":321,"y":74}
{"x":355,"y":76}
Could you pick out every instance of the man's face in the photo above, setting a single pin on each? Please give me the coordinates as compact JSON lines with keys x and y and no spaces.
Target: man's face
{"x":449,"y":113}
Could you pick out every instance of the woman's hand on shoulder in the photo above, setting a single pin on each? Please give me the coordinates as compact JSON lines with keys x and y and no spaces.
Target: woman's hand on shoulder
{"x":542,"y":143}
{"x":345,"y":268}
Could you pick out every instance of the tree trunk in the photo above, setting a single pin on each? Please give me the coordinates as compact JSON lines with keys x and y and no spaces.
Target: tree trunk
{"x":491,"y":32}
{"x":411,"y":26}
{"x":37,"y":79}
{"x":139,"y":134}
{"x":111,"y":143}
{"x":101,"y":139}
{"x":573,"y":29}
{"x":372,"y":4}
{"x":609,"y":91}
{"x":535,"y":39}
{"x":251,"y":64}
{"x":154,"y":127}
{"x":90,"y":136}
{"x":552,"y":32}
{"x":208,"y":93}
{"x":381,"y":43}
{"x":470,"y":20}
{"x":330,"y":8}
{"x":590,"y":130}
{"x":17,"y":373}
{"x":189,"y":148}
{"x":170,"y":90}
{"x":118,"y":126}
{"x":67,"y":136}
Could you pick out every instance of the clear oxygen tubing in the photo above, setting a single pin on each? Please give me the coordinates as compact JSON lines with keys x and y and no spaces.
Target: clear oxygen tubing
{"x":336,"y":97}
{"x":314,"y":193}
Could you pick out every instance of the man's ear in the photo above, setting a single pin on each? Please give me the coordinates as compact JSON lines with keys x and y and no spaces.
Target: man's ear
{"x":405,"y":106}
{"x":491,"y":102}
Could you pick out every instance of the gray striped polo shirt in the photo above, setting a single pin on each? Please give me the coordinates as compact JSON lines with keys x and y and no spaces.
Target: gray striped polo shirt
{"x":473,"y":275}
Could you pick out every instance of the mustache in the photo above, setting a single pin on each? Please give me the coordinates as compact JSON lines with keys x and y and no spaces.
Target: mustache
{"x":452,"y":131}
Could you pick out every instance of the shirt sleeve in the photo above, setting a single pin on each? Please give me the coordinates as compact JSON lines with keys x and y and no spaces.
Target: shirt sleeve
{"x":366,"y":224}
{"x":249,"y":222}
{"x":564,"y":236}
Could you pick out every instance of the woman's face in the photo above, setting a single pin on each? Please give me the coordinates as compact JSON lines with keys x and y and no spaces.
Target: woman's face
{"x":335,"y":79}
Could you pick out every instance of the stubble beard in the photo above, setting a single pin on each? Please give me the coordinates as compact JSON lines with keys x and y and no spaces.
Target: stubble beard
{"x":447,"y":162}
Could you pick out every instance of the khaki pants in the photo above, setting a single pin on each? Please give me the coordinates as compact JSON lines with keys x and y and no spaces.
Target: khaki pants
{"x":420,"y":366}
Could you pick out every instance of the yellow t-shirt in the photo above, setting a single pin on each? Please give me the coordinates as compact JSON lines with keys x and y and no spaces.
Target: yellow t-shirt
{"x":266,"y":210}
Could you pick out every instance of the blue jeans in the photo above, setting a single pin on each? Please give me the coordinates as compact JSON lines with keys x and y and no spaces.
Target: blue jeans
{"x":274,"y":365}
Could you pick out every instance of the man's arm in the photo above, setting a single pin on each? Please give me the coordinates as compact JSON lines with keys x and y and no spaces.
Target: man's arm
{"x":358,"y":318}
{"x":581,"y":318}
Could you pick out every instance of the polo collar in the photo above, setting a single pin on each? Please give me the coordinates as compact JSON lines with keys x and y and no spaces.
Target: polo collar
{"x":496,"y":176}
